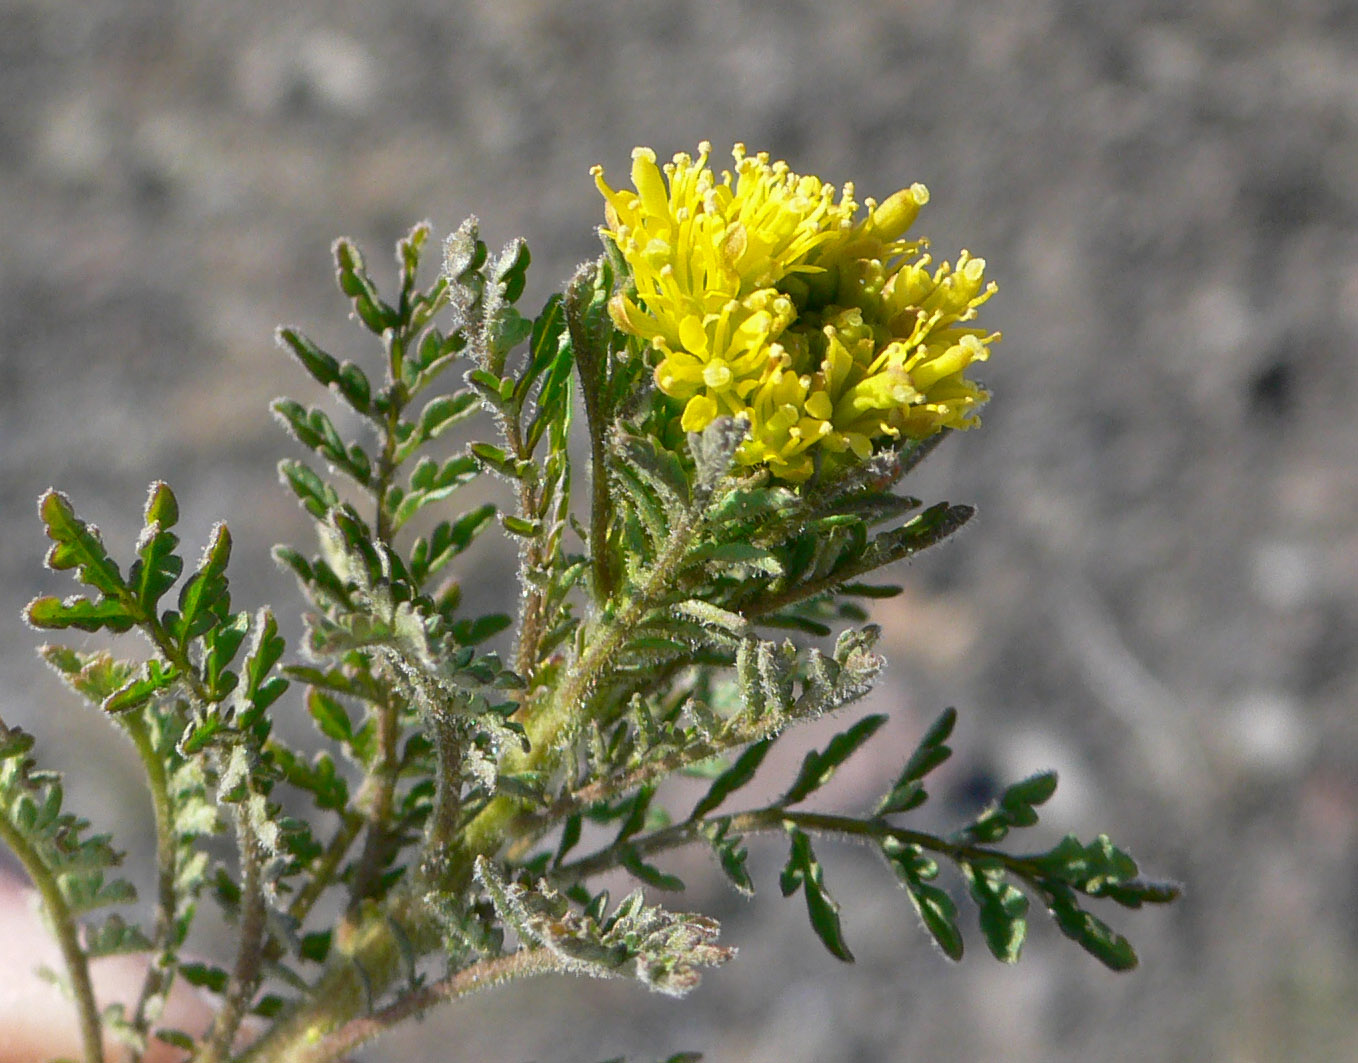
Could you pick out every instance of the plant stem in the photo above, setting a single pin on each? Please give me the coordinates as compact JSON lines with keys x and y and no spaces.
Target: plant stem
{"x":529,"y":828}
{"x":568,"y":707}
{"x":774,"y":818}
{"x":531,"y":617}
{"x":160,"y":973}
{"x":245,"y":976}
{"x":369,"y":957}
{"x":375,"y":798}
{"x":592,"y":365}
{"x":484,"y":975}
{"x":366,"y":959}
{"x":326,"y":866}
{"x":68,"y":939}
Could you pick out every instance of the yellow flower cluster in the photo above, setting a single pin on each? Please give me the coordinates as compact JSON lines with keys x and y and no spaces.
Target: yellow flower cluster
{"x":763,"y":295}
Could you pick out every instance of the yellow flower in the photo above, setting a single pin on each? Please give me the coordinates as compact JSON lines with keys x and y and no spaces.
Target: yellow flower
{"x":762,"y":296}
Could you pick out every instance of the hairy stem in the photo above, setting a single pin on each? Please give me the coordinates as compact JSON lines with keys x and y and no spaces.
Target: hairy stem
{"x":246,"y":974}
{"x":369,"y":957}
{"x":532,"y":616}
{"x":484,"y":975}
{"x":68,"y":939}
{"x":567,"y":708}
{"x":528,"y":828}
{"x":160,"y":973}
{"x":375,"y":798}
{"x":592,"y":365}
{"x":775,"y":818}
{"x":441,"y":829}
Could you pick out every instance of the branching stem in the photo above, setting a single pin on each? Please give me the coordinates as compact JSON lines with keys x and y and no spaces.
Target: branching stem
{"x":568,"y":707}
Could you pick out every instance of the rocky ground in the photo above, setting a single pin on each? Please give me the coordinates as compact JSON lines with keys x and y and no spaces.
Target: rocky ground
{"x":1160,"y":598}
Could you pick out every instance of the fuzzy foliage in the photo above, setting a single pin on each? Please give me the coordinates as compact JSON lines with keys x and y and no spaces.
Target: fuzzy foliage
{"x":703,"y":595}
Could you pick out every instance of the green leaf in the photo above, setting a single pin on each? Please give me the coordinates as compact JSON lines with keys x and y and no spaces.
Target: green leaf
{"x":637,"y":808}
{"x":931,"y":527}
{"x":1020,"y":799}
{"x":1093,"y":935}
{"x":162,"y":507}
{"x":545,"y":345}
{"x":751,"y":506}
{"x":493,"y":388}
{"x":353,"y":385}
{"x":505,"y":330}
{"x":176,"y":1038}
{"x":204,"y":599}
{"x":316,"y":945}
{"x":318,"y":777}
{"x":1135,"y":893}
{"x":446,"y":541}
{"x":79,"y":613}
{"x":221,"y":645}
{"x":495,"y":459}
{"x":1015,"y":808}
{"x":650,"y":874}
{"x":471,"y":632}
{"x":522,"y":786}
{"x":315,"y":361}
{"x":355,"y":283}
{"x":77,"y":545}
{"x":732,"y":860}
{"x":94,"y":676}
{"x":463,"y":253}
{"x":803,"y":871}
{"x":1003,"y":910}
{"x":720,"y":555}
{"x":200,"y":734}
{"x":939,"y":915}
{"x":875,"y":591}
{"x":1101,"y":869}
{"x":526,"y":529}
{"x":731,"y":855}
{"x":262,"y":688}
{"x":56,"y":844}
{"x":733,"y":778}
{"x":570,"y":838}
{"x":157,"y":566}
{"x":936,"y":909}
{"x":443,"y":412}
{"x":510,"y":269}
{"x":908,"y":793}
{"x":552,"y":353}
{"x":330,"y":716}
{"x":818,"y":767}
{"x":432,"y":481}
{"x":204,"y":976}
{"x":114,"y":936}
{"x":153,"y":677}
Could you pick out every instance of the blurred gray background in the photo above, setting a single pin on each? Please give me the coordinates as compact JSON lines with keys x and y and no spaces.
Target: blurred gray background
{"x":1159,"y":599}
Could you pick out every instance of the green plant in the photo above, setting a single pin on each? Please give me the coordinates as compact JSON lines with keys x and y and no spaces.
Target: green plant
{"x":758,"y":370}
